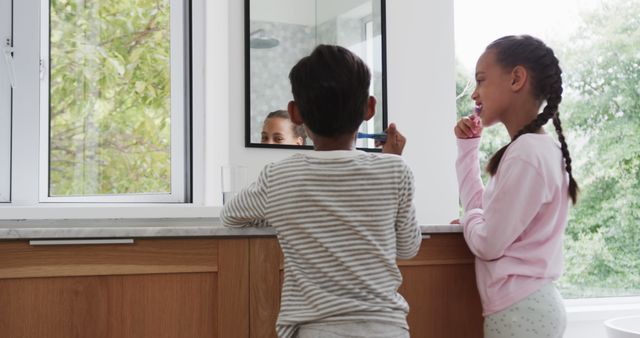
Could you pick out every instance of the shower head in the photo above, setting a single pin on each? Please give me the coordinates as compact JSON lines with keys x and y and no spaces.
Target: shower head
{"x":263,"y":43}
{"x":258,"y":40}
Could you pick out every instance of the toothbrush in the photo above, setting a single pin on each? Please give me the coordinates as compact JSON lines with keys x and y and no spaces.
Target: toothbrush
{"x":378,"y":137}
{"x":475,"y":117}
{"x":476,"y":111}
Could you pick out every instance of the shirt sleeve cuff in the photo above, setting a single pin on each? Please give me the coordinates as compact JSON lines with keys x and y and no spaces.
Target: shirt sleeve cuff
{"x":468,"y":143}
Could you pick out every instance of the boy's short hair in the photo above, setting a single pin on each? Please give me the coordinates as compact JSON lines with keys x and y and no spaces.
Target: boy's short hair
{"x":331,"y":89}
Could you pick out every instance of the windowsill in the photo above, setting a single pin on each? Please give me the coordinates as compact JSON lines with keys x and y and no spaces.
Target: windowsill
{"x":54,"y":211}
{"x":600,"y":309}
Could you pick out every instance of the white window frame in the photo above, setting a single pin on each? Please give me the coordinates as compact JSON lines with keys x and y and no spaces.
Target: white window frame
{"x":7,"y":81}
{"x":180,"y":113}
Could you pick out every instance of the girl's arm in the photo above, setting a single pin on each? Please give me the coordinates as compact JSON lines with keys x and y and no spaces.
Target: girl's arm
{"x":408,"y":234}
{"x":248,"y":207}
{"x":468,"y":170}
{"x":519,"y":194}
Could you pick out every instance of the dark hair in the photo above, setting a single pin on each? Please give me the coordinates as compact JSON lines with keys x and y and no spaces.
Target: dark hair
{"x":298,"y":131}
{"x":331,"y":89}
{"x":546,"y":78}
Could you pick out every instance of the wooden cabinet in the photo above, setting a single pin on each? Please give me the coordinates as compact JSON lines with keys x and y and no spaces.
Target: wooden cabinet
{"x":154,"y":288}
{"x":439,"y":285}
{"x":202,"y":287}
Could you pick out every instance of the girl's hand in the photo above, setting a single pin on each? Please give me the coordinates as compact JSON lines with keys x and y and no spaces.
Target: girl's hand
{"x":395,"y":141}
{"x":468,"y":127}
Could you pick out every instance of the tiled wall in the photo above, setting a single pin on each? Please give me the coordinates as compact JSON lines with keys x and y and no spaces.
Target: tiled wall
{"x":270,"y":88}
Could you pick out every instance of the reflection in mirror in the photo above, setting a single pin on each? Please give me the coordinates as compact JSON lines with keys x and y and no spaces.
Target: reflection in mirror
{"x":281,"y":32}
{"x":279,"y":129}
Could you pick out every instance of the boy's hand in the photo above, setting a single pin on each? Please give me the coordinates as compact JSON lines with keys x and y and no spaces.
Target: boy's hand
{"x":395,"y":141}
{"x":468,"y":127}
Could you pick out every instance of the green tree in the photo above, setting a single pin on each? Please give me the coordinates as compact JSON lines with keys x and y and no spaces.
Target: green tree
{"x":602,"y":108}
{"x":109,"y":97}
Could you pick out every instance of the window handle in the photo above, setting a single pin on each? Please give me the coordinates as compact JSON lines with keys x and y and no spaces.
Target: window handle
{"x":7,"y":51}
{"x":42,"y":69}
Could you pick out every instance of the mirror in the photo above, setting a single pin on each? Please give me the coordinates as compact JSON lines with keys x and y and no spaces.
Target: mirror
{"x":278,"y":33}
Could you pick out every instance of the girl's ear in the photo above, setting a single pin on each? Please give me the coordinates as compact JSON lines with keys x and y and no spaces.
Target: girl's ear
{"x":294,"y":113}
{"x":519,"y":78}
{"x":371,"y":108}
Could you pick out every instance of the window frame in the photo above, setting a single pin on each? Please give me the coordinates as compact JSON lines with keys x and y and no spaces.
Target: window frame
{"x":180,"y":64}
{"x":6,"y":67}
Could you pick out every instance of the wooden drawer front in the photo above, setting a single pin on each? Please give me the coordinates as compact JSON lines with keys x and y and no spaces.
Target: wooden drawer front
{"x":127,"y":306}
{"x":441,"y":249}
{"x":18,"y":259}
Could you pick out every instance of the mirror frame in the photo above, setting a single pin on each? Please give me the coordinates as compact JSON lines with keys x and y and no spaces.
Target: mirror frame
{"x":247,"y":82}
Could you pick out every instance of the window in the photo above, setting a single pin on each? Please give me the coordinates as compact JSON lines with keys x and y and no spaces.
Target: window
{"x":598,"y":45}
{"x":6,"y":81}
{"x":114,"y":109}
{"x":116,"y":105}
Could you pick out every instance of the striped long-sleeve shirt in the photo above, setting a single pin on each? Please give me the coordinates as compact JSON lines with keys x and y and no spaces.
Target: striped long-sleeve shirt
{"x":342,"y":219}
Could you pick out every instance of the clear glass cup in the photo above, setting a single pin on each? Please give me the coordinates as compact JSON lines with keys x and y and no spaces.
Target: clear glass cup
{"x":234,"y":178}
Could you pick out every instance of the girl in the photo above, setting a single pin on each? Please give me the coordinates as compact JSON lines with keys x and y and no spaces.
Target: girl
{"x":278,"y":129}
{"x":515,"y":225}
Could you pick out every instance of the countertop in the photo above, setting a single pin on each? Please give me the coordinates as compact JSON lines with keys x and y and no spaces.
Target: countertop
{"x":145,"y":227}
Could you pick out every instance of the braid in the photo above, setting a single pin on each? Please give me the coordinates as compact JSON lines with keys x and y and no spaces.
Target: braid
{"x":546,"y":77}
{"x":573,"y":185}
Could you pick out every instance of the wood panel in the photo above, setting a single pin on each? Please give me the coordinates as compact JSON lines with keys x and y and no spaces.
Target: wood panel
{"x":439,"y":285}
{"x":233,"y":291}
{"x":441,"y":249}
{"x":145,"y":256}
{"x":140,"y":306}
{"x":443,"y":301}
{"x":266,"y":280}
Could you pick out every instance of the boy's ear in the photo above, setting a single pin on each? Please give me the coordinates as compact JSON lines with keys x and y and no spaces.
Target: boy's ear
{"x":519,"y":77}
{"x":371,"y":108}
{"x":294,"y":113}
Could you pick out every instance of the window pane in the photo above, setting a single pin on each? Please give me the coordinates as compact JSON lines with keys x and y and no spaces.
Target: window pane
{"x":110,"y":107}
{"x":5,"y":99}
{"x":598,"y":45}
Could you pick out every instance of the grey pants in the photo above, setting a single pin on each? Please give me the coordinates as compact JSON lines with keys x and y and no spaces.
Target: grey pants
{"x":541,"y":314}
{"x":352,"y":330}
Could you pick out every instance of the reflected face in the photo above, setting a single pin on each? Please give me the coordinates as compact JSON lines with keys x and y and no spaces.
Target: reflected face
{"x":277,"y":130}
{"x":493,"y":89}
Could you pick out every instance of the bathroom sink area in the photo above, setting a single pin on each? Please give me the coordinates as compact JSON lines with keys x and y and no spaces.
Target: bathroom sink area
{"x":623,"y":327}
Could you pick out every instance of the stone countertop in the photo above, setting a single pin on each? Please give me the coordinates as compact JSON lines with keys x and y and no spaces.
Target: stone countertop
{"x":147,"y":227}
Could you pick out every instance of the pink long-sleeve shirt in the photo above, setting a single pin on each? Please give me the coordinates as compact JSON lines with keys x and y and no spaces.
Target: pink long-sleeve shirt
{"x":514,"y":226}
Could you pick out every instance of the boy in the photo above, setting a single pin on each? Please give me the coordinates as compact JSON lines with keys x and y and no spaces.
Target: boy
{"x":342,"y":216}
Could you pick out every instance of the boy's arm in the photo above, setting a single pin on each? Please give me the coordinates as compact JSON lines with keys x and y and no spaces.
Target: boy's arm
{"x":468,"y":171}
{"x":408,"y":234}
{"x":248,"y":207}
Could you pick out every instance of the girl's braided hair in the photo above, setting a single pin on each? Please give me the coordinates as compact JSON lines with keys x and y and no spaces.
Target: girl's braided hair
{"x":544,"y":70}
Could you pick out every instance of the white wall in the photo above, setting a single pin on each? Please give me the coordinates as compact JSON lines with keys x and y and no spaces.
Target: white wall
{"x":300,"y":12}
{"x":420,"y":52}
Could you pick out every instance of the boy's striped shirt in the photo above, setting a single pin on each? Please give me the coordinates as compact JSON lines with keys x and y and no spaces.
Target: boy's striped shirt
{"x":342,"y":219}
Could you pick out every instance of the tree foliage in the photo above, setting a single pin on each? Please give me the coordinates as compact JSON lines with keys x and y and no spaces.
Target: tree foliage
{"x":109,"y":97}
{"x":602,"y":76}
